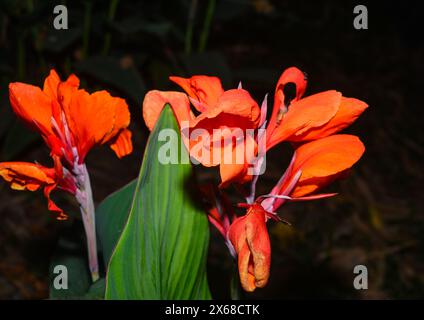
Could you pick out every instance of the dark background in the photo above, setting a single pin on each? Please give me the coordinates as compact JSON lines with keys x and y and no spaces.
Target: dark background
{"x":377,"y":220}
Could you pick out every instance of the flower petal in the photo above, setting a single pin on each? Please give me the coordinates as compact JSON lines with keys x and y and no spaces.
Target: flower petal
{"x":31,"y":105}
{"x":93,"y":118}
{"x":305,"y":114}
{"x":122,"y":144}
{"x":322,"y":161}
{"x":290,"y":75}
{"x":234,"y":109}
{"x":250,"y":239}
{"x":349,"y":110}
{"x":236,"y":171}
{"x":26,"y":175}
{"x":155,"y":100}
{"x":204,"y":89}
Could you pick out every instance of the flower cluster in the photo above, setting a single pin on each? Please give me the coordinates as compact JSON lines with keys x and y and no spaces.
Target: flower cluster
{"x":71,"y":121}
{"x":309,"y":123}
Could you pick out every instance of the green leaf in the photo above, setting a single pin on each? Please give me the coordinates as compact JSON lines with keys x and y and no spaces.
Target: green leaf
{"x":162,"y":251}
{"x":70,"y":253}
{"x":96,"y":290}
{"x":111,"y":216}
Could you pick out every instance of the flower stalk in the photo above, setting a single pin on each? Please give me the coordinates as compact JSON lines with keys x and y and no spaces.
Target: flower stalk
{"x":84,"y":197}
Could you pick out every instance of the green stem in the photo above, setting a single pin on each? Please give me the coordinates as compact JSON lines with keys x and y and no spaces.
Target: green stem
{"x":87,"y":27}
{"x":190,"y":25}
{"x":85,"y":198}
{"x":111,"y":16}
{"x":207,"y":25}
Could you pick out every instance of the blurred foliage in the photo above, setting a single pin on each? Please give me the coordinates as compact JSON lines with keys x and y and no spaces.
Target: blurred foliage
{"x":128,"y":47}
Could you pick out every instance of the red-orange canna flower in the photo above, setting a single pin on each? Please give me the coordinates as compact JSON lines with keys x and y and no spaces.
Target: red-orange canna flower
{"x":320,"y":157}
{"x":227,"y":111}
{"x":71,"y":121}
{"x":249,"y":237}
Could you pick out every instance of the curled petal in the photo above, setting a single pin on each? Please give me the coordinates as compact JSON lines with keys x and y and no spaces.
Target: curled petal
{"x":51,"y":205}
{"x":290,"y":75}
{"x":250,"y":239}
{"x":204,"y":89}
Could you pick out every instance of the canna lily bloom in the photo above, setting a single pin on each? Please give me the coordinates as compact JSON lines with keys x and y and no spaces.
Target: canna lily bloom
{"x":227,"y":111}
{"x":71,"y":121}
{"x":249,"y":237}
{"x":320,"y":157}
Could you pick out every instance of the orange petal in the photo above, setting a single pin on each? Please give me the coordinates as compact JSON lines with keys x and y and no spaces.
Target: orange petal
{"x":203,"y":89}
{"x":234,"y":109}
{"x":321,"y":161}
{"x":93,"y":119}
{"x":250,"y":239}
{"x":52,"y":81}
{"x":51,"y":84}
{"x":305,"y":114}
{"x":30,"y":176}
{"x":122,"y":144}
{"x":236,"y":171}
{"x":51,"y":205}
{"x":258,"y":240}
{"x":155,"y":100}
{"x":290,"y":75}
{"x":32,"y":105}
{"x":349,"y":110}
{"x":26,"y":176}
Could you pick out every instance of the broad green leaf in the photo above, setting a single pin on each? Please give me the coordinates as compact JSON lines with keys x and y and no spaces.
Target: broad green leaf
{"x":111,"y":216}
{"x":161,"y":253}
